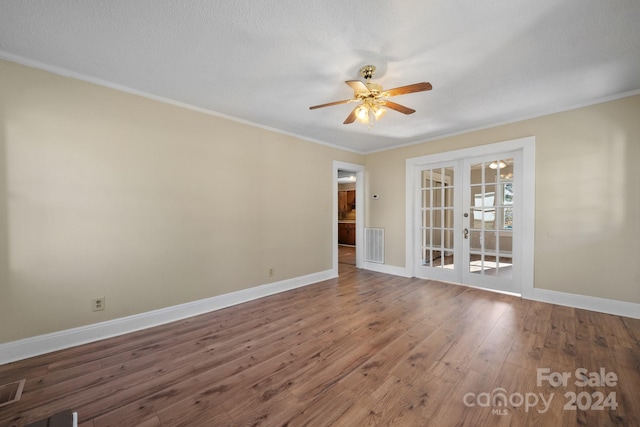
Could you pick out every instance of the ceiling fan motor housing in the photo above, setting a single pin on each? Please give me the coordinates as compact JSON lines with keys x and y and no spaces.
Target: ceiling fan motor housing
{"x":373,"y":91}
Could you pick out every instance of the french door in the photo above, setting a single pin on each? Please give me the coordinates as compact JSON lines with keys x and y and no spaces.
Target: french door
{"x":468,"y":221}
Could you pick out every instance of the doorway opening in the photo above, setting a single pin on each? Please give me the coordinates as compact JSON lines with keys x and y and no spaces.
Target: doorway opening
{"x":348,"y":214}
{"x":347,"y":211}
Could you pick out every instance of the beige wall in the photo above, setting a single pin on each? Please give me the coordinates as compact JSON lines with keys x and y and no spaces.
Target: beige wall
{"x":587,"y":233}
{"x":104,"y":193}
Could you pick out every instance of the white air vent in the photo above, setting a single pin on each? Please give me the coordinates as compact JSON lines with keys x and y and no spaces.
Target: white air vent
{"x":11,"y":392}
{"x":374,"y":245}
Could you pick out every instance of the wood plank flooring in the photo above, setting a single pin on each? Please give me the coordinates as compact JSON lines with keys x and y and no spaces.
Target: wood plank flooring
{"x":347,"y":254}
{"x":364,"y":349}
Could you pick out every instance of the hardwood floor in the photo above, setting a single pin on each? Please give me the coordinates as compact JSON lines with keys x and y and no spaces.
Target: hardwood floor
{"x":364,"y":349}
{"x":347,"y":254}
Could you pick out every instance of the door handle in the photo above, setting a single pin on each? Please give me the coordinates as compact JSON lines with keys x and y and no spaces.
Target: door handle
{"x":466,"y":233}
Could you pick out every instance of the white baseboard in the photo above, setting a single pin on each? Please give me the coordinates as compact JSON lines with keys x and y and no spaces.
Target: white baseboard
{"x":385,"y":268}
{"x":602,"y":305}
{"x":41,"y":344}
{"x":585,"y":302}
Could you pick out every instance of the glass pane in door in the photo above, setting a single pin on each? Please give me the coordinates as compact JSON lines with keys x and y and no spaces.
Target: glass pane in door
{"x":437,"y":192}
{"x":491,"y":218}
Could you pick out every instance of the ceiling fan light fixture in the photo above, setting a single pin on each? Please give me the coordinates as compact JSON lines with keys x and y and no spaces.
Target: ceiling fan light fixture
{"x":378,"y":112}
{"x":362,"y":113}
{"x":497,"y":165}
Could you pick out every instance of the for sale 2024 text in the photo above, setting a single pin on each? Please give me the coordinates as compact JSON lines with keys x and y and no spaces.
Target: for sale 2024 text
{"x":596,"y":401}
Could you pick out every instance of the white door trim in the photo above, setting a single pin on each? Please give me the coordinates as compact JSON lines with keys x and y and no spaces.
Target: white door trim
{"x":359,"y":170}
{"x":527,"y":146}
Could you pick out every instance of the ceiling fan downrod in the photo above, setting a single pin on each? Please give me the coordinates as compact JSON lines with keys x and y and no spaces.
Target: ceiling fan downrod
{"x":367,"y":71}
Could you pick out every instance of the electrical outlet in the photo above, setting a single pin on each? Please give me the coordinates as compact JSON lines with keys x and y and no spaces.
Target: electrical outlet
{"x":271,"y":272}
{"x":97,"y":304}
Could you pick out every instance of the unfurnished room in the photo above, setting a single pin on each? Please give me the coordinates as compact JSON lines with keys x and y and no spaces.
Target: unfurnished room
{"x":319,"y":213}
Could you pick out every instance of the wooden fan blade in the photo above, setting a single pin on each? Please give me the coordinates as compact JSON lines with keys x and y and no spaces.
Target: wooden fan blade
{"x":351,"y":117}
{"x":416,"y":87}
{"x":357,"y":86}
{"x":398,"y":107}
{"x":329,"y":104}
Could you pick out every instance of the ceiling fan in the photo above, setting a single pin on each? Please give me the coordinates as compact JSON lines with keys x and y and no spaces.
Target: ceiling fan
{"x":372,"y":98}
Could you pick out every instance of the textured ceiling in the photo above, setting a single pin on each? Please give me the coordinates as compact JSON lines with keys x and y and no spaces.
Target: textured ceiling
{"x":266,"y":61}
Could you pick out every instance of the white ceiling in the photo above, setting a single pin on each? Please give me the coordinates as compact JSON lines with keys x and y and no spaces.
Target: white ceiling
{"x":266,"y":61}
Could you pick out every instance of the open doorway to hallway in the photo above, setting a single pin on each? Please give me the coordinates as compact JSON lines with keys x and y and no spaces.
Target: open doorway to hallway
{"x":348,"y":214}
